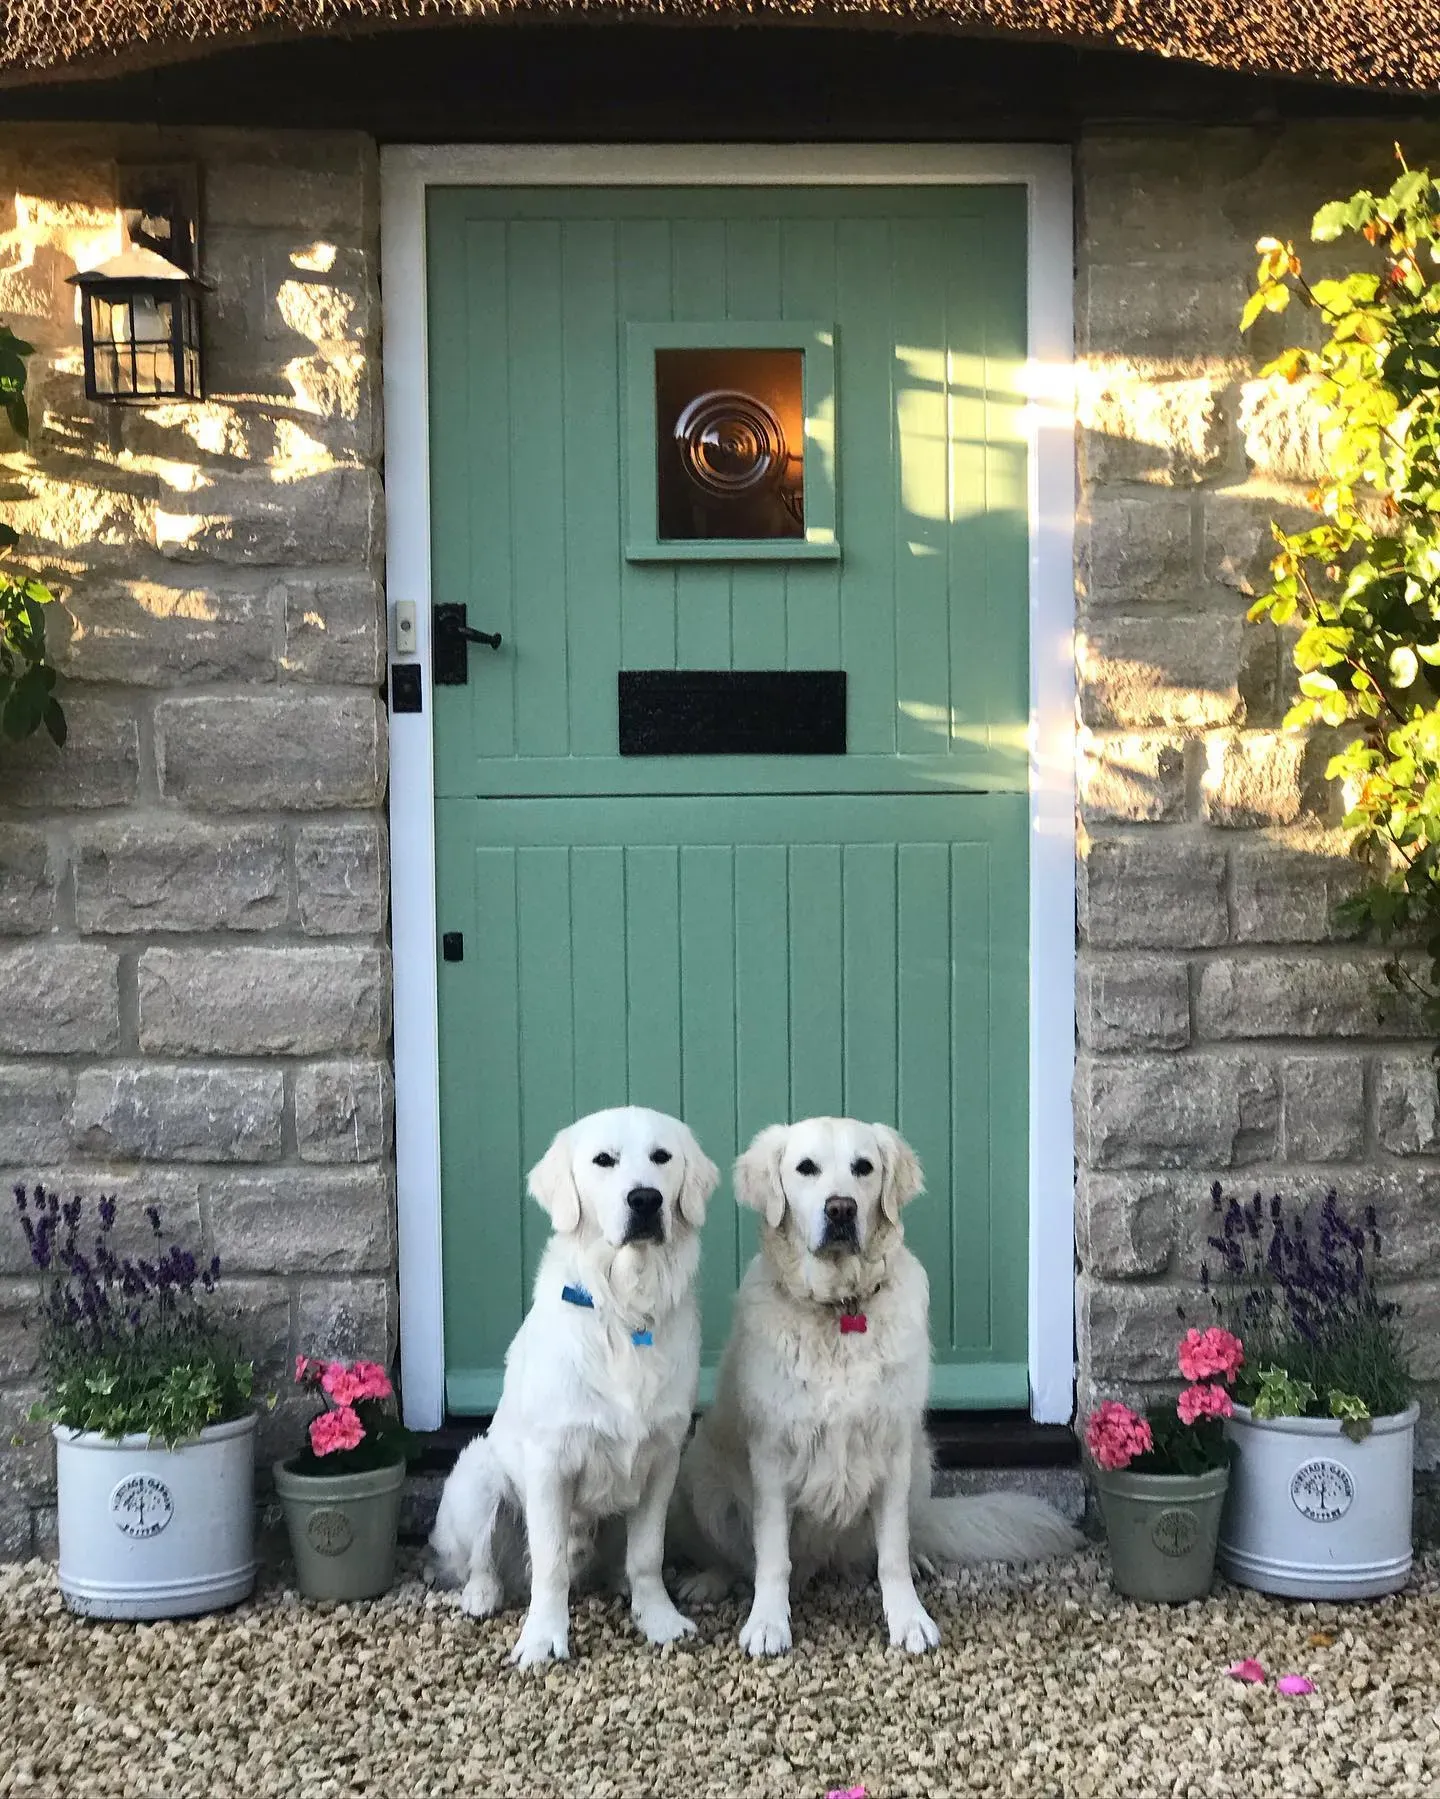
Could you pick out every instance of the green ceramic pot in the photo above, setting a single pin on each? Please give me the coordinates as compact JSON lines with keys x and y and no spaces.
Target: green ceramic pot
{"x":1163,"y":1529}
{"x":342,"y":1529}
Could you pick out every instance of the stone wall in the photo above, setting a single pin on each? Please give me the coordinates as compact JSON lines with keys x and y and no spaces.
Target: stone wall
{"x":194,"y":978}
{"x":1227,"y":1030}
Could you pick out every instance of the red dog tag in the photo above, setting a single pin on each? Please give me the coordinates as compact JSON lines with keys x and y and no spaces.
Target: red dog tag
{"x":852,"y":1321}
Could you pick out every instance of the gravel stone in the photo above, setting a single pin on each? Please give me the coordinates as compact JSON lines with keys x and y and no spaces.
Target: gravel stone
{"x":1047,"y":1684}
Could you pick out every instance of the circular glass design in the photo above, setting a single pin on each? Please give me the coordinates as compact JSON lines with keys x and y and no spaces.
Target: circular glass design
{"x":141,"y":1505}
{"x":730,"y":443}
{"x":1322,"y":1490}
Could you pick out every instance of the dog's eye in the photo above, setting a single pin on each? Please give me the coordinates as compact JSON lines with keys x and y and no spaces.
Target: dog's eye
{"x":659,"y":1157}
{"x":861,"y":1166}
{"x":604,"y":1159}
{"x":806,"y":1167}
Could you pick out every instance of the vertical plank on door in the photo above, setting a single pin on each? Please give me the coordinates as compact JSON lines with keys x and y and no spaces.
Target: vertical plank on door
{"x":547,"y":1062}
{"x":652,"y":976}
{"x":1006,"y":459}
{"x":597,"y":923}
{"x":752,"y":291}
{"x":812,"y":590}
{"x":817,"y":1020}
{"x":702,"y":591}
{"x":868,"y":969}
{"x":707,"y":993}
{"x":762,"y":1003}
{"x":970,"y":1043}
{"x":926,"y":1079}
{"x":590,"y":353}
{"x":647,"y":589}
{"x":538,"y":496}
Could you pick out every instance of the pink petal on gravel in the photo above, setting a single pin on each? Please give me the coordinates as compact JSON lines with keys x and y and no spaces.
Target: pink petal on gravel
{"x":1293,"y":1685}
{"x":1250,"y":1671}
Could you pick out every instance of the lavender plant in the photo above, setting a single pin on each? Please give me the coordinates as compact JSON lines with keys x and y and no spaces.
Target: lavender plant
{"x":128,"y":1343}
{"x":1300,"y":1289}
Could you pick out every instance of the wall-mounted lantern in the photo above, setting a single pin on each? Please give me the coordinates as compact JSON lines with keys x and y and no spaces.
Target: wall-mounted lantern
{"x":140,"y":311}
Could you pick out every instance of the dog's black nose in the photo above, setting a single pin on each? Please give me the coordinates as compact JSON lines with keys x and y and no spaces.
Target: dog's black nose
{"x":644,"y":1202}
{"x":840,"y":1211}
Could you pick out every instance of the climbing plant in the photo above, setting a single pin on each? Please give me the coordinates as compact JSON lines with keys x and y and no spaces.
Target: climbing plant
{"x":1364,"y":583}
{"x":27,"y":681}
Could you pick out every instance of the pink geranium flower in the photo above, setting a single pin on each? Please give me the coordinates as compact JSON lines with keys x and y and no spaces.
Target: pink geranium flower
{"x":373,"y":1381}
{"x":340,"y":1429}
{"x":1204,"y":1354}
{"x":342,"y":1384}
{"x":1294,"y":1686}
{"x":1203,"y":1401}
{"x":1115,"y":1435}
{"x":1249,"y":1670}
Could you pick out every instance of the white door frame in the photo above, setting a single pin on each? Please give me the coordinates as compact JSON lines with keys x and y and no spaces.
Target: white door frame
{"x":1044,"y":170}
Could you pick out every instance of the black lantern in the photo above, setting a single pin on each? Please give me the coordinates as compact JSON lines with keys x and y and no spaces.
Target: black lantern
{"x":141,"y":325}
{"x":140,"y":311}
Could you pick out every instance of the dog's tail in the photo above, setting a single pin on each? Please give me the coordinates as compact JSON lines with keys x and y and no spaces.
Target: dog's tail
{"x":469,"y":1510}
{"x":996,"y":1527}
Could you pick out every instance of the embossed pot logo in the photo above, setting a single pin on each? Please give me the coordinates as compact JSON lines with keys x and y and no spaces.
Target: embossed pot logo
{"x":330,"y":1532}
{"x":141,"y":1505}
{"x":1322,"y":1490}
{"x":1175,"y":1532}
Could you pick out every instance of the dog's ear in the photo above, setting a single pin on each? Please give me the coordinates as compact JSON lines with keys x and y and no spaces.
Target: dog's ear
{"x":701,"y":1179}
{"x":903,"y":1175}
{"x":552,"y":1184}
{"x":757,"y":1174}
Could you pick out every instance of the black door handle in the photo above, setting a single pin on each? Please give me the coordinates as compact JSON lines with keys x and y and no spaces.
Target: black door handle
{"x":452,"y":632}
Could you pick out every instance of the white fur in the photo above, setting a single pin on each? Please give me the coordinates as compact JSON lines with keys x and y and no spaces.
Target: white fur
{"x":589,"y":1424}
{"x":814,"y":1454}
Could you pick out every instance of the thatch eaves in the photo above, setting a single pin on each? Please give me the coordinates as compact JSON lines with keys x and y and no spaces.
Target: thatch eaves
{"x":1376,"y":44}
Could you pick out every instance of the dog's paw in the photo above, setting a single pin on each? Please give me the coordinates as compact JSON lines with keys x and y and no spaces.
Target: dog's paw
{"x":765,"y":1635}
{"x":663,"y":1623}
{"x":704,"y":1586}
{"x":913,"y":1630}
{"x":482,"y":1596}
{"x":541,"y":1642}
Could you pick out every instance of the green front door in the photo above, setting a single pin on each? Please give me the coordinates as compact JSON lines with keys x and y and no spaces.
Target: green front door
{"x":755,"y":430}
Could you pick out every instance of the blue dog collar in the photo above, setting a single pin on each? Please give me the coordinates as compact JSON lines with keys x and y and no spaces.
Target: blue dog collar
{"x":577,"y":1296}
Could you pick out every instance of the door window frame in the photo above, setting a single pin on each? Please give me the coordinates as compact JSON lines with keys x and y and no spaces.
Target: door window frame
{"x":407,"y":172}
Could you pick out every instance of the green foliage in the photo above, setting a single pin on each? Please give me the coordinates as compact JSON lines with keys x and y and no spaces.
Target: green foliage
{"x":127,"y":1393}
{"x":27,"y":681}
{"x":1279,"y":1395}
{"x":1181,"y":1448}
{"x":1353,"y":1413}
{"x":1364,"y":584}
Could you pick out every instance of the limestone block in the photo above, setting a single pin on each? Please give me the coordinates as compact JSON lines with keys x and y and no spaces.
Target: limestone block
{"x":320,"y":516}
{"x":145,"y":632}
{"x":1137,"y":552}
{"x":1169,"y":433}
{"x":164,"y":875}
{"x":1323,"y":1108}
{"x":322,"y":1221}
{"x":342,"y":872}
{"x":34,"y":1112}
{"x":1253,"y":778}
{"x":270,"y":194}
{"x":176,"y":1191}
{"x":1153,"y":891}
{"x":19,"y":1332}
{"x":1164,"y":310}
{"x":99,"y":765}
{"x":1130,"y":779}
{"x":1239,"y":543}
{"x":160,"y":1112}
{"x":343,"y":1111}
{"x":355,"y":1318}
{"x":27,"y":881}
{"x":288,"y":1000}
{"x":1156,"y":1112}
{"x":1130,"y":1332}
{"x":1125,"y":1223}
{"x":1280,"y":425}
{"x":1176,"y":673}
{"x":1134,"y":1002}
{"x":1299,"y":996}
{"x":293,"y":751}
{"x":1287,"y":891}
{"x":258,"y":1312}
{"x":334,"y":628}
{"x":1407,"y":1105}
{"x":58,"y":998}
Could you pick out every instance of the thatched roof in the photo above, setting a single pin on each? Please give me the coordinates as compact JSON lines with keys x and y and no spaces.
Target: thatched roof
{"x":1378,"y":44}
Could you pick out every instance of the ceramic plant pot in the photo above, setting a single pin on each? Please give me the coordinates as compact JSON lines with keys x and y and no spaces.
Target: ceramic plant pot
{"x":1313,"y":1515}
{"x":151,"y":1532}
{"x":1162,"y":1530}
{"x":342,"y":1529}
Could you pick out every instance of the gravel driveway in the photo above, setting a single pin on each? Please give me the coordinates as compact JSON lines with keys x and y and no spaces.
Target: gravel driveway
{"x":1047,"y":1686}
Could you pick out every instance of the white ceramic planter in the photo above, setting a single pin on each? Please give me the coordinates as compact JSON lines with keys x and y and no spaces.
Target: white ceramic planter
{"x":1312,"y":1515}
{"x":150,"y":1532}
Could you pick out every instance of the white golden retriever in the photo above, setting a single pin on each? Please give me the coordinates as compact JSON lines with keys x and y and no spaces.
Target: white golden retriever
{"x":814,"y":1454}
{"x":599,"y":1382}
